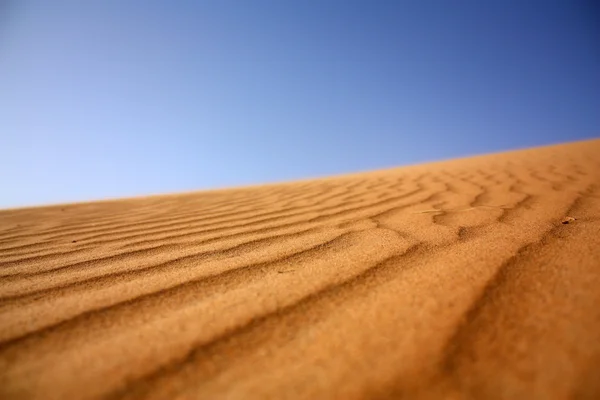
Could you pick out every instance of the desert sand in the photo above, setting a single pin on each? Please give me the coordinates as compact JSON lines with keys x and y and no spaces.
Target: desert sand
{"x":456,"y":280}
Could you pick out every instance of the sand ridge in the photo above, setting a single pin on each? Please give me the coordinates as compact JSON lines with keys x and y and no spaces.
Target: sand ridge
{"x":454,"y":279}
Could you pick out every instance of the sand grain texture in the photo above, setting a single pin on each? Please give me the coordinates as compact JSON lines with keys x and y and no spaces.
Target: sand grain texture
{"x":455,"y":279}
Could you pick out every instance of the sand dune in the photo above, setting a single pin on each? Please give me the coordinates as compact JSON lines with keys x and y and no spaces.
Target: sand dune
{"x":454,"y":279}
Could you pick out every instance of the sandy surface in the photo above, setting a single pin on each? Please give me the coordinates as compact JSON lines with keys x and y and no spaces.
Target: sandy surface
{"x":449,"y":280}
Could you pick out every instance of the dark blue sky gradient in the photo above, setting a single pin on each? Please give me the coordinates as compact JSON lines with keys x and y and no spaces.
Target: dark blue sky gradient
{"x":115,"y":98}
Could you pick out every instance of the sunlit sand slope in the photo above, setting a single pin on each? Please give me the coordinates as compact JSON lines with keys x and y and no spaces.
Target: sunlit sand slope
{"x":455,"y":279}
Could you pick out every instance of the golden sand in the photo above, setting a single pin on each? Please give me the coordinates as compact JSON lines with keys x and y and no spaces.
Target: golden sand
{"x":456,"y":279}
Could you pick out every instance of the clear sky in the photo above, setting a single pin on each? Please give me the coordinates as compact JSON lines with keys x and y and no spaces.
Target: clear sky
{"x":111,"y":98}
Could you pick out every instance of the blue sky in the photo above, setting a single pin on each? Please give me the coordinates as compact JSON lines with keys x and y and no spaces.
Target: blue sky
{"x":111,"y":98}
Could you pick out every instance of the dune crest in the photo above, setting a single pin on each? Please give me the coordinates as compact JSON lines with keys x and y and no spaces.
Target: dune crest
{"x":468,"y":278}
